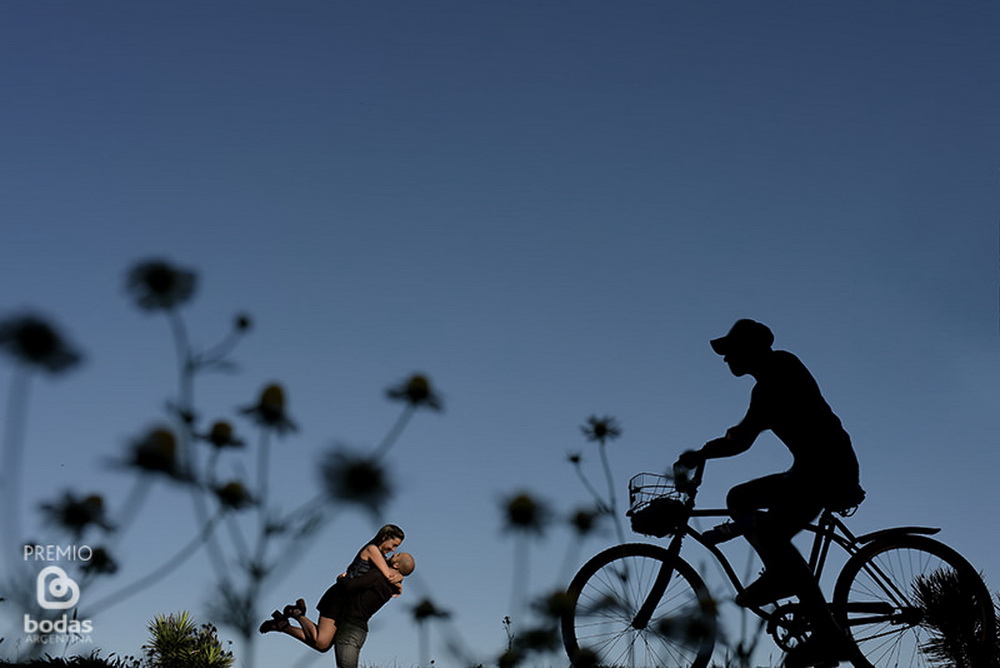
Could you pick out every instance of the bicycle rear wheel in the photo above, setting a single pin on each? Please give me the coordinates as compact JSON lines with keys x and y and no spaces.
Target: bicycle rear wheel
{"x":599,"y":627}
{"x":910,"y":601}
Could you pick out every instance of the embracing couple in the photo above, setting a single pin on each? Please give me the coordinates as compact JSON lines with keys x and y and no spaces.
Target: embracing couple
{"x":371,"y":580}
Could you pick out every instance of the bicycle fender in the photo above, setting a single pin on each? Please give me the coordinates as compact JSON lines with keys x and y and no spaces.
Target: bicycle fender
{"x":897,"y":531}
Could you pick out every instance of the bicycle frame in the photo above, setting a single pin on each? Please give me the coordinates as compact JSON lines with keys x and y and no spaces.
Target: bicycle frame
{"x":828,"y":529}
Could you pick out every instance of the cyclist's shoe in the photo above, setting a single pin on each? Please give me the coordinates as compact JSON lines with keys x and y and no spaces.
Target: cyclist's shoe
{"x":722,"y":533}
{"x":819,"y":652}
{"x":765,"y":589}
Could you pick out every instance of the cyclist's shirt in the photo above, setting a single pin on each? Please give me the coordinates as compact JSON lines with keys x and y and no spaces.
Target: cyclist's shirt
{"x":787,"y":400}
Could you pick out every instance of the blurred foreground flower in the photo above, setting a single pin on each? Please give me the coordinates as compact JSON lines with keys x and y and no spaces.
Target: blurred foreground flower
{"x":555,"y":605}
{"x":416,"y":391}
{"x":585,"y":520}
{"x":234,"y":495}
{"x":525,"y":514}
{"x":34,"y":342}
{"x":157,"y":285}
{"x":601,"y":430}
{"x":156,"y":452}
{"x":76,"y":515}
{"x":355,"y":479}
{"x":221,"y":436}
{"x":100,"y":562}
{"x":242,"y":322}
{"x":539,"y":639}
{"x":269,"y":411}
{"x":426,"y":609}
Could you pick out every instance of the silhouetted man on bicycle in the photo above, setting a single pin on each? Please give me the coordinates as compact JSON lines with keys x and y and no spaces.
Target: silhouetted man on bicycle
{"x":769,"y":511}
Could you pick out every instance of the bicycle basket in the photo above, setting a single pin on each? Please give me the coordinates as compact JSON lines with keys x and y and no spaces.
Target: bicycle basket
{"x":656,"y":507}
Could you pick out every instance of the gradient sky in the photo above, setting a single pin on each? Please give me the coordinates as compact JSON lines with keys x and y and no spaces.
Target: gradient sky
{"x":549,"y":208}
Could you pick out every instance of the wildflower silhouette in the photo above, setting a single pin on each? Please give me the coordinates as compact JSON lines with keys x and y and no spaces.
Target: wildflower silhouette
{"x":601,"y":431}
{"x":526,"y":514}
{"x":554,"y":605}
{"x":417,"y":392}
{"x":75,"y":515}
{"x":356,"y":479}
{"x":36,"y":344}
{"x":525,"y":517}
{"x":157,"y":285}
{"x":156,"y":452}
{"x":270,"y":415}
{"x":584,"y":521}
{"x":423,"y":613}
{"x":234,"y":496}
{"x":221,"y":436}
{"x":269,"y":411}
{"x":100,"y":563}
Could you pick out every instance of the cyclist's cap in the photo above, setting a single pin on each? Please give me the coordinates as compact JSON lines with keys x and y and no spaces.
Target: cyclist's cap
{"x":745,"y":335}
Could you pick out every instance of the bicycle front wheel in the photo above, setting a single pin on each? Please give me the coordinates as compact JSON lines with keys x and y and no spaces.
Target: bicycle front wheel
{"x":910,"y":601}
{"x":602,"y":625}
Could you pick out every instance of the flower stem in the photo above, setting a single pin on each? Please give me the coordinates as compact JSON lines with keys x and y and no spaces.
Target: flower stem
{"x":263,"y":534}
{"x":519,"y":586}
{"x":601,"y":504}
{"x":612,"y":506}
{"x":133,"y":503}
{"x":13,"y":462}
{"x":185,"y":389}
{"x":397,"y":428}
{"x":186,"y":369}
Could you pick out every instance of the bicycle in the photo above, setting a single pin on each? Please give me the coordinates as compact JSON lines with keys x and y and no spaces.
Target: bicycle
{"x":639,"y":605}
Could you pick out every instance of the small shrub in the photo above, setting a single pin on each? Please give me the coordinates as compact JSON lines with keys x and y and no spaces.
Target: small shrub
{"x":176,"y":641}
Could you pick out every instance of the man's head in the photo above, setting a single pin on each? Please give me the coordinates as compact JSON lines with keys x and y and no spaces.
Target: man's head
{"x":403,"y":562}
{"x":747,"y":343}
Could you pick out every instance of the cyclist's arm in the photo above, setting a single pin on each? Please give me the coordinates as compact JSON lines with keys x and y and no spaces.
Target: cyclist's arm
{"x":738,"y":439}
{"x":733,"y":443}
{"x":714,"y":449}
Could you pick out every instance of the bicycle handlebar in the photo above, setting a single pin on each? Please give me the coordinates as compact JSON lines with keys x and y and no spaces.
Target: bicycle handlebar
{"x":687,"y":479}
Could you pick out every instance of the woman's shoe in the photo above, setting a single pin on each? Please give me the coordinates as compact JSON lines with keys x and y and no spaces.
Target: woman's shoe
{"x":276,"y":623}
{"x":296,"y":609}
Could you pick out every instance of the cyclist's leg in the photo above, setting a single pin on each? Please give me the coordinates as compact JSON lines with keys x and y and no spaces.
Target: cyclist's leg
{"x":794,"y":503}
{"x":786,"y":573}
{"x":745,"y":502}
{"x":791,"y":503}
{"x":746,"y":499}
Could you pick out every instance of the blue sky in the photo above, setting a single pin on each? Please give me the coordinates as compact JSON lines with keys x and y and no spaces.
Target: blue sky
{"x":549,"y":209}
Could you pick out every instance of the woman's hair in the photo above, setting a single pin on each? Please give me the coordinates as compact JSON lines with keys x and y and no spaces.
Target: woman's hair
{"x":388,"y":532}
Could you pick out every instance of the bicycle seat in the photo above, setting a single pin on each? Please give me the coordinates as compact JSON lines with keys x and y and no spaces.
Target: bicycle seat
{"x":845,"y":501}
